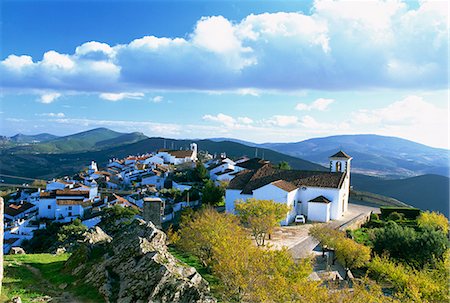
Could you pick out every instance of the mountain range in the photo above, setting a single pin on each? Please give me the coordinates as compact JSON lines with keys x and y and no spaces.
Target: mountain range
{"x":387,"y":157}
{"x":69,"y":154}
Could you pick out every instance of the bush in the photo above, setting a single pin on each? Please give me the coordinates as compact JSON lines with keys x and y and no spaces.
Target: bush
{"x":374,"y":217}
{"x":412,"y":247}
{"x":408,"y":212}
{"x":395,"y":216}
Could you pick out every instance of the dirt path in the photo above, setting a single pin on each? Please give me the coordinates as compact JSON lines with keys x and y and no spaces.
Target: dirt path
{"x":55,"y":294}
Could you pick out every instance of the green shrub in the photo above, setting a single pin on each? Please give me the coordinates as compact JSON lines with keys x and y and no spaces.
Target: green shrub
{"x":374,"y":217}
{"x":395,"y":216}
{"x":408,"y":212}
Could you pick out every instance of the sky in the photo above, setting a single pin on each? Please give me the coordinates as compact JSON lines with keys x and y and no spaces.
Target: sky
{"x":262,"y":71}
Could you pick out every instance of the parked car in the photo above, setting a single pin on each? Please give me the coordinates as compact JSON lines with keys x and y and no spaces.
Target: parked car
{"x":300,"y":219}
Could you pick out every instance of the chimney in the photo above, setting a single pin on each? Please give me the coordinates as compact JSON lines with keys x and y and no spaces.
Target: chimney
{"x":153,"y":210}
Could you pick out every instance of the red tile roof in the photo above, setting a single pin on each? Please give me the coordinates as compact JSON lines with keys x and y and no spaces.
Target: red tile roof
{"x":16,"y":209}
{"x":249,"y":180}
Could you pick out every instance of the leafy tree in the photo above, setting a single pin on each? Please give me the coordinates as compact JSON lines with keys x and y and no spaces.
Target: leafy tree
{"x":201,"y":171}
{"x":71,"y":232}
{"x":434,"y":220}
{"x":115,"y":217}
{"x":410,"y":284}
{"x":284,"y":165}
{"x":351,"y":254}
{"x":326,"y":236}
{"x":410,"y":246}
{"x":261,"y":216}
{"x":212,"y":194}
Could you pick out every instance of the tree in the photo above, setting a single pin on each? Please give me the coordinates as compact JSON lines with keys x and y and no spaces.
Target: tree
{"x":205,"y":230}
{"x":326,"y":236}
{"x":201,"y":172}
{"x":284,"y":165}
{"x":351,"y":254}
{"x":261,"y":216}
{"x":71,"y":232}
{"x":410,"y":246}
{"x":115,"y":217}
{"x":434,"y":220}
{"x":212,"y":194}
{"x":410,"y":284}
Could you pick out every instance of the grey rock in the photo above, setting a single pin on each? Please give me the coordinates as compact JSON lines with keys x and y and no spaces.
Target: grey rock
{"x":17,"y":251}
{"x":16,"y":300}
{"x":95,"y":236}
{"x":137,"y":267}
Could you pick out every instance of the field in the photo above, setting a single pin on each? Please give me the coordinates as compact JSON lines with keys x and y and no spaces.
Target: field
{"x":39,"y":277}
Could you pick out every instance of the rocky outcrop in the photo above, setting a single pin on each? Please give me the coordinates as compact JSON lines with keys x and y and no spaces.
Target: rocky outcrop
{"x":135,"y":266}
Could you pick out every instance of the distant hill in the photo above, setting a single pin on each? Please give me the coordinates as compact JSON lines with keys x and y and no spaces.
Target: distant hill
{"x":388,"y":157}
{"x":94,"y":139}
{"x":52,"y":165}
{"x":427,"y":192}
{"x":21,"y":138}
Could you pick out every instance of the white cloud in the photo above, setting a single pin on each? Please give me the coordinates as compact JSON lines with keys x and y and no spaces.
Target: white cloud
{"x":221,"y":118}
{"x":48,"y":98}
{"x":121,"y":96}
{"x":52,"y":115}
{"x":282,"y":120}
{"x":412,"y":117}
{"x":319,"y":104}
{"x":157,"y":99}
{"x":245,"y":120}
{"x":338,"y":45}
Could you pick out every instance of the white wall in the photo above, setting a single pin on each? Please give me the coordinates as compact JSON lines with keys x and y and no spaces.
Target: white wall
{"x":44,"y":212}
{"x":319,"y":212}
{"x":231,"y":195}
{"x":64,"y":210}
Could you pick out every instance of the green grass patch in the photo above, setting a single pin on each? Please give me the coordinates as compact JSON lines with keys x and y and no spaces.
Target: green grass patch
{"x":32,"y":276}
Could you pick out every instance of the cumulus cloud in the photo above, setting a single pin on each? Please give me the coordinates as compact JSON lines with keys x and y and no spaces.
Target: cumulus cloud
{"x":282,"y":120}
{"x":338,"y":45}
{"x":413,"y":117}
{"x":157,"y":99}
{"x":221,"y":118}
{"x":52,"y":115}
{"x":121,"y":96}
{"x":49,"y":97}
{"x":319,"y":104}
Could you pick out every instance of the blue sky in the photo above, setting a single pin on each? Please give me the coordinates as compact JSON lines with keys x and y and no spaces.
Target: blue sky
{"x":264,"y":71}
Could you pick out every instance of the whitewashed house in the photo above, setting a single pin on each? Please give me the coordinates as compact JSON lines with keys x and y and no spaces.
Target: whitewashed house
{"x":321,"y":196}
{"x":19,"y":210}
{"x":177,"y":157}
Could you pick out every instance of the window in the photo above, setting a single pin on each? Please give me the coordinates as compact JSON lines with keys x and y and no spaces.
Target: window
{"x":70,"y":207}
{"x":49,"y":207}
{"x":338,"y":166}
{"x":70,"y":214}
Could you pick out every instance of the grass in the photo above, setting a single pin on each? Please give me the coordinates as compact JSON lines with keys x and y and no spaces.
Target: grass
{"x":193,"y":261}
{"x":32,"y":276}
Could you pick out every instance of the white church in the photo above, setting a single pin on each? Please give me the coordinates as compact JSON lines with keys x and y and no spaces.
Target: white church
{"x":320,"y":196}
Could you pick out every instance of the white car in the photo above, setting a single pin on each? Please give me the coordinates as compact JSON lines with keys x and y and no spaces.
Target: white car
{"x":300,"y":219}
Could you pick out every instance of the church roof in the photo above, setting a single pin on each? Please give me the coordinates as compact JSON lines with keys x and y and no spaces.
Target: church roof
{"x":320,"y":199}
{"x":249,"y":180}
{"x":341,"y":154}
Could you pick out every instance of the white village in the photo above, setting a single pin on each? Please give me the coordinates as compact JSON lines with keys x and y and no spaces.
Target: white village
{"x":315,"y":196}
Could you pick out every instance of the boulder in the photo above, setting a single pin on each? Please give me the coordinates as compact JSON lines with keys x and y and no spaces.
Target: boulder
{"x":16,"y":300}
{"x":17,"y":251}
{"x":96,"y":235}
{"x":136,"y":267}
